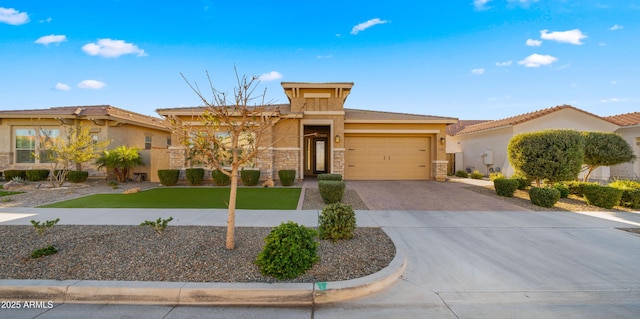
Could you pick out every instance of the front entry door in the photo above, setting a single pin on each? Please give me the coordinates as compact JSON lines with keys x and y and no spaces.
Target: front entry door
{"x":316,"y":155}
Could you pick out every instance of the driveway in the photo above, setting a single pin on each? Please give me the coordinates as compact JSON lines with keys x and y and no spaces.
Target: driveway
{"x":426,"y":196}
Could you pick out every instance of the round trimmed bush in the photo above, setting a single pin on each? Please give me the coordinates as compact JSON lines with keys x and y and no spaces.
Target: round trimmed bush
{"x":331,"y":191}
{"x":576,"y":187}
{"x":250,"y":177}
{"x":544,"y":196}
{"x":337,"y":221}
{"x":77,"y":176}
{"x":287,"y":176}
{"x":194,"y":175}
{"x":505,"y":187}
{"x":564,"y":190}
{"x":523,"y":181}
{"x":461,"y":173}
{"x":630,"y":193}
{"x":476,"y":175}
{"x":329,"y":177}
{"x":169,"y":177}
{"x":288,"y":252}
{"x":602,"y":196}
{"x":220,"y":178}
{"x":35,"y":175}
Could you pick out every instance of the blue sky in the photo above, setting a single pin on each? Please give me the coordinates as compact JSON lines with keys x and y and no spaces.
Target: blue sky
{"x":469,"y":59}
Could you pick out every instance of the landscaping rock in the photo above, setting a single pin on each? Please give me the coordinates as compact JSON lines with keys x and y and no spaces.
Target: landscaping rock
{"x":131,"y":191}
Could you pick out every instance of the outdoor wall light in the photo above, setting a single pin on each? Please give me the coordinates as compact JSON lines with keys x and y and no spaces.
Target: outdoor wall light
{"x":442,"y":140}
{"x":337,"y":138}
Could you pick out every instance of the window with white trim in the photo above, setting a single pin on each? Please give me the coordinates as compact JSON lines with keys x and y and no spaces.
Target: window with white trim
{"x":31,"y":141}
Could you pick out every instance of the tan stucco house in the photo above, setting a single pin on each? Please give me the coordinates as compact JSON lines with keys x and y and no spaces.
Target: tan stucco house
{"x":630,"y":130}
{"x":318,"y":135}
{"x":20,"y":130}
{"x":483,"y":146}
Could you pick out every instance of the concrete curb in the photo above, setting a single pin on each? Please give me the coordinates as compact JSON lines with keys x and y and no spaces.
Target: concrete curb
{"x":180,"y":293}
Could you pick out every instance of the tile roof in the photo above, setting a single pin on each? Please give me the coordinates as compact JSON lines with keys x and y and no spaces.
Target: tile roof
{"x":455,"y":128}
{"x":89,"y":112}
{"x":514,"y":120}
{"x":626,"y":119}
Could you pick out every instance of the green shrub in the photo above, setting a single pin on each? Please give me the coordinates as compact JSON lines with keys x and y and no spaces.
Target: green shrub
{"x":35,"y":175}
{"x":331,"y":191}
{"x":194,"y":175}
{"x":630,"y":193}
{"x":10,"y":174}
{"x":544,"y":196}
{"x":563,"y":189}
{"x":602,"y":196}
{"x":250,"y":177}
{"x":505,"y":187}
{"x":77,"y":176}
{"x":42,"y":227}
{"x":168,"y":177}
{"x":523,"y":181}
{"x":337,"y":221}
{"x":287,"y":176}
{"x":158,"y":225}
{"x":462,"y":174}
{"x":495,"y":175}
{"x":288,"y":252}
{"x":476,"y":175}
{"x":329,"y":177}
{"x":576,"y":188}
{"x":220,"y":178}
{"x":49,"y":250}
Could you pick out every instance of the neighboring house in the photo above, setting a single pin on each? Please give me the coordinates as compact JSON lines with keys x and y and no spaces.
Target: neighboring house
{"x":483,"y":146}
{"x":320,"y":136}
{"x":630,"y":130}
{"x":21,"y":132}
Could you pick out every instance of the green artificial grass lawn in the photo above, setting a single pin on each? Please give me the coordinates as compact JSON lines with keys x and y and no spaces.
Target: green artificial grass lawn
{"x":200,"y":197}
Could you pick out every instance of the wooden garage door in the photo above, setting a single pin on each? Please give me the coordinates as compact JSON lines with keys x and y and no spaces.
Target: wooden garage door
{"x":387,"y":158}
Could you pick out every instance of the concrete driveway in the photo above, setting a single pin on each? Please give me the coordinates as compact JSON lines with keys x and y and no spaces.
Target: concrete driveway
{"x":426,"y":196}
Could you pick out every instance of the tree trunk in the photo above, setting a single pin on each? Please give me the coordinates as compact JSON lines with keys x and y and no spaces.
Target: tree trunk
{"x":231,"y":219}
{"x":589,"y":171}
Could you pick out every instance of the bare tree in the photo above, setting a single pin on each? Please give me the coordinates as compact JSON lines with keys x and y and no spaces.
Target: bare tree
{"x":230,"y":133}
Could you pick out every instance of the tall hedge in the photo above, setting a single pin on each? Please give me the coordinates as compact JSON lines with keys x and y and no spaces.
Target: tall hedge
{"x":554,"y":155}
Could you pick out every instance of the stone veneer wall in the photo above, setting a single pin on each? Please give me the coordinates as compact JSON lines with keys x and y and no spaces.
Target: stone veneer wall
{"x":264,"y":162}
{"x":338,"y":161}
{"x":439,"y":170}
{"x":177,"y":157}
{"x":5,"y":161}
{"x":286,"y":159}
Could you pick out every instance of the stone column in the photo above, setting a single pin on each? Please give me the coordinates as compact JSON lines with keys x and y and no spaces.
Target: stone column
{"x":264,"y":162}
{"x":439,"y":170}
{"x":177,"y":157}
{"x":338,"y":161}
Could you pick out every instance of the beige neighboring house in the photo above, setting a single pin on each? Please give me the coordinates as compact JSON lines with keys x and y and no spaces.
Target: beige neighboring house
{"x":318,"y":135}
{"x":483,"y":146}
{"x":20,"y":131}
{"x":630,"y":130}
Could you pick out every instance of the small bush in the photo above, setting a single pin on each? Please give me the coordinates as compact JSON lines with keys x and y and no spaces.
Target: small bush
{"x":337,"y":221}
{"x":49,"y":250}
{"x":331,"y":191}
{"x":576,"y":188}
{"x":10,"y":174}
{"x":168,"y":177}
{"x":288,"y":252}
{"x":42,"y":227}
{"x":158,"y":225}
{"x":113,"y":184}
{"x":563,"y":189}
{"x":250,"y":177}
{"x":495,"y":175}
{"x":602,"y":196}
{"x":544,"y":196}
{"x":630,"y":193}
{"x":505,"y":187}
{"x":35,"y":175}
{"x":194,"y":176}
{"x":329,"y":177}
{"x":462,"y":174}
{"x":476,"y":175}
{"x":77,"y":176}
{"x":287,"y":176}
{"x":220,"y":178}
{"x":523,"y":181}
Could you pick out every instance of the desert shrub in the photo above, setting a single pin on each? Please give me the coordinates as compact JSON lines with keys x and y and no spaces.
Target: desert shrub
{"x":220,"y":178}
{"x":576,"y":188}
{"x":158,"y":225}
{"x":287,"y":176}
{"x":194,"y":175}
{"x":49,"y":250}
{"x":630,"y":193}
{"x":462,"y":174}
{"x":288,"y":252}
{"x":329,"y":177}
{"x":495,"y":175}
{"x":476,"y":174}
{"x":10,"y":174}
{"x":331,"y":191}
{"x":250,"y":177}
{"x":77,"y":176}
{"x":544,"y":196}
{"x":337,"y":221}
{"x":35,"y":175}
{"x":602,"y":196}
{"x":168,"y":177}
{"x":505,"y":187}
{"x":564,"y":190}
{"x":523,"y":181}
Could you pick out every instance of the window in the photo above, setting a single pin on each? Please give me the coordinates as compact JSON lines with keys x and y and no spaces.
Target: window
{"x":28,"y":142}
{"x":147,"y":142}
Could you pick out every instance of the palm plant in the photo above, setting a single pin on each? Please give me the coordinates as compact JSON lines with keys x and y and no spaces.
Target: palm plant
{"x":121,"y":160}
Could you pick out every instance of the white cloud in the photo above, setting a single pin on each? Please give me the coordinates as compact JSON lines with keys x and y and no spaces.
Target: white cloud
{"x":480,"y":4}
{"x":91,"y":84}
{"x":478,"y":71}
{"x":271,"y":76}
{"x":62,"y":87}
{"x":505,"y":63}
{"x":46,"y":20}
{"x":616,"y":27}
{"x":536,"y":60}
{"x":366,"y":25}
{"x":329,"y":56}
{"x":613,"y":100}
{"x":571,"y":36}
{"x":48,"y":39}
{"x":524,"y":2}
{"x":13,"y":16}
{"x":533,"y":43}
{"x":109,"y":48}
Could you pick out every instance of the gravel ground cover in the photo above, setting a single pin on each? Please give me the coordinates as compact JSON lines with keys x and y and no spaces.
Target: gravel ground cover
{"x":313,"y":200}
